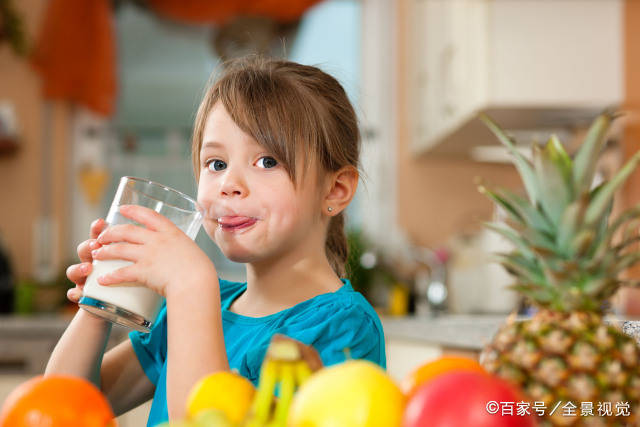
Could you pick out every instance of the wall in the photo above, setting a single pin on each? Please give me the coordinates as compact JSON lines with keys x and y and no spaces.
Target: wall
{"x":437,"y":197}
{"x":20,"y":174}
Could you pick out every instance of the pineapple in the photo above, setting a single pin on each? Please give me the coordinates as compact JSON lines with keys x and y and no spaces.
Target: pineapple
{"x":567,"y":261}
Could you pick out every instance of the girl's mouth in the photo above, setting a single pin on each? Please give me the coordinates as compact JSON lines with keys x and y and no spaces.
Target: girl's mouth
{"x":237,"y":226}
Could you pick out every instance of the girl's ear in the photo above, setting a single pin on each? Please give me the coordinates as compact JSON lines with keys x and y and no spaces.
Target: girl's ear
{"x":341,"y":188}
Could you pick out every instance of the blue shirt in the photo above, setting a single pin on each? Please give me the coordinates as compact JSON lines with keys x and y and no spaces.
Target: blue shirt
{"x":330,"y":322}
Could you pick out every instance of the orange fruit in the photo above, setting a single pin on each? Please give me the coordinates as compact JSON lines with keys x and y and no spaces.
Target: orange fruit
{"x":430,"y":370}
{"x":56,"y":401}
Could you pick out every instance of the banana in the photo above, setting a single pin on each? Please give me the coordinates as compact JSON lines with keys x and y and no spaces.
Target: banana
{"x":264,"y":396}
{"x":284,"y":365}
{"x":284,"y":350}
{"x":287,"y":388}
{"x":302,"y":372}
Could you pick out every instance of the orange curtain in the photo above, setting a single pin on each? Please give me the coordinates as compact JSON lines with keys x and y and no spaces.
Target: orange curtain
{"x":204,"y":11}
{"x":75,"y":51}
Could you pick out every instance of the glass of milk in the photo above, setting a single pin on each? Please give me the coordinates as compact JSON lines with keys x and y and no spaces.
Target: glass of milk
{"x":131,"y":304}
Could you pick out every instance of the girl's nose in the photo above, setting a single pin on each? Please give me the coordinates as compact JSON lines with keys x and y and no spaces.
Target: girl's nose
{"x":233,"y":185}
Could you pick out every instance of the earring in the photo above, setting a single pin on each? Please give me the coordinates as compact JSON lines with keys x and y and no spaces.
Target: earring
{"x":330,"y":209}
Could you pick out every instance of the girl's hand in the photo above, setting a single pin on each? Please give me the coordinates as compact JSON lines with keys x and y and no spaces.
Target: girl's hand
{"x":163,"y":256}
{"x":78,"y":273}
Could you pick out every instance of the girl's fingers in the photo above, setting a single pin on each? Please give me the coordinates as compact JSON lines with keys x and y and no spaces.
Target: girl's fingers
{"x":85,"y":248}
{"x":97,"y":227}
{"x":124,"y":251}
{"x":74,"y":294}
{"x":147,"y":217}
{"x":127,"y":274}
{"x":78,"y":273}
{"x":124,"y":233}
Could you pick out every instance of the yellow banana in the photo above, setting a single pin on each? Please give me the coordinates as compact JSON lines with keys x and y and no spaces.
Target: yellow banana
{"x":261,"y":407}
{"x":302,"y":372}
{"x":284,"y":350}
{"x":287,"y":388}
{"x":285,"y":366}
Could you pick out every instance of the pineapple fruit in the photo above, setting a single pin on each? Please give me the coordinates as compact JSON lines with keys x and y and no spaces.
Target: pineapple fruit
{"x":567,"y":261}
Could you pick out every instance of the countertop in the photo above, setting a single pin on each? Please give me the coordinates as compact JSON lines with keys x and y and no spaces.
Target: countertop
{"x":467,"y":331}
{"x":39,"y":326}
{"x":464,"y":331}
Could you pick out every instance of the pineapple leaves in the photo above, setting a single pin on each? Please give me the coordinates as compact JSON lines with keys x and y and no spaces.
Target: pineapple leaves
{"x":626,"y":243}
{"x":501,"y":201}
{"x":509,"y":234}
{"x":603,"y":244}
{"x":560,"y":158}
{"x":603,"y":198}
{"x":521,"y":163}
{"x":567,"y":253}
{"x":554,"y":184}
{"x":519,"y":209}
{"x":516,"y":264}
{"x":571,"y":220}
{"x":630,"y":214}
{"x":625,"y":262}
{"x":534,"y":291}
{"x":584,"y":164}
{"x":582,"y":242}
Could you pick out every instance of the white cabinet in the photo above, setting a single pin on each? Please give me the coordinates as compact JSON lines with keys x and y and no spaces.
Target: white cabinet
{"x":467,"y":56}
{"x":447,"y":55}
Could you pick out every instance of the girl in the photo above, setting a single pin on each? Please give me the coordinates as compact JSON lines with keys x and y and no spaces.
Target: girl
{"x":275,"y":152}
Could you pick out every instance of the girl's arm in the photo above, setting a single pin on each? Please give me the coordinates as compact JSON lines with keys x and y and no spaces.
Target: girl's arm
{"x":194,"y":337}
{"x":167,"y":261}
{"x":119,"y":374}
{"x":80,"y":350}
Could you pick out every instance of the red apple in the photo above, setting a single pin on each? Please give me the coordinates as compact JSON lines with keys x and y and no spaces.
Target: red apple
{"x":466,"y":399}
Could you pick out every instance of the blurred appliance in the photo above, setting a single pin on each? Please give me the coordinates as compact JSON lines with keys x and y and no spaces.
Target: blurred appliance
{"x":7,"y":285}
{"x":477,"y":283}
{"x":430,"y":281}
{"x":531,"y":65}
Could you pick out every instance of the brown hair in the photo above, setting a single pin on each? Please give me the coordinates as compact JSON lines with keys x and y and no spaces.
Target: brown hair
{"x":287,"y":107}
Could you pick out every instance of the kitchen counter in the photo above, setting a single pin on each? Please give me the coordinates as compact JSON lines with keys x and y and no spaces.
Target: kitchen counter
{"x":466,"y":331}
{"x":455,"y":331}
{"x":463,"y":331}
{"x":26,"y":342}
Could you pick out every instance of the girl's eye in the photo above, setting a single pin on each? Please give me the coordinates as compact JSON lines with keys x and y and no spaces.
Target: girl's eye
{"x":217,"y":164}
{"x":268,"y":162}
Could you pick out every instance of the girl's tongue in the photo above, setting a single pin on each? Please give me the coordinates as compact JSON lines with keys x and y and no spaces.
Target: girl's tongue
{"x":233,"y":221}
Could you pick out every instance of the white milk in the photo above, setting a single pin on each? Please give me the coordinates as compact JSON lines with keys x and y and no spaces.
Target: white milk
{"x":129,"y":296}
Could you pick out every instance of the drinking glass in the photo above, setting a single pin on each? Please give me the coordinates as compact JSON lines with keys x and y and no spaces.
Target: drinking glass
{"x":131,"y":304}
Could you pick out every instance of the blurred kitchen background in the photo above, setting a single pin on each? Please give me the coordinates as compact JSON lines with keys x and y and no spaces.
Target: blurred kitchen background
{"x":94,"y":90}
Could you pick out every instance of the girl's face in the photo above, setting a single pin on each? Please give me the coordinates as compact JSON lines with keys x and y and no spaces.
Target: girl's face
{"x":253,"y":210}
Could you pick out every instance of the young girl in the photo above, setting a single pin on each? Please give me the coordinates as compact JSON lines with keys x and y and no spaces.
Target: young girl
{"x":275,"y":152}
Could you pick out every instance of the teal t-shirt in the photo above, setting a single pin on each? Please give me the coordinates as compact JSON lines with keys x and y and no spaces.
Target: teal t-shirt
{"x":330,"y":322}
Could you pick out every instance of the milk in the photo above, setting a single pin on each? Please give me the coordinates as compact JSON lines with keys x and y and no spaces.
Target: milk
{"x":132,"y":297}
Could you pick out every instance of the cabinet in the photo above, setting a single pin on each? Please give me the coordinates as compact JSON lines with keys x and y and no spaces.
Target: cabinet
{"x":518,"y":59}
